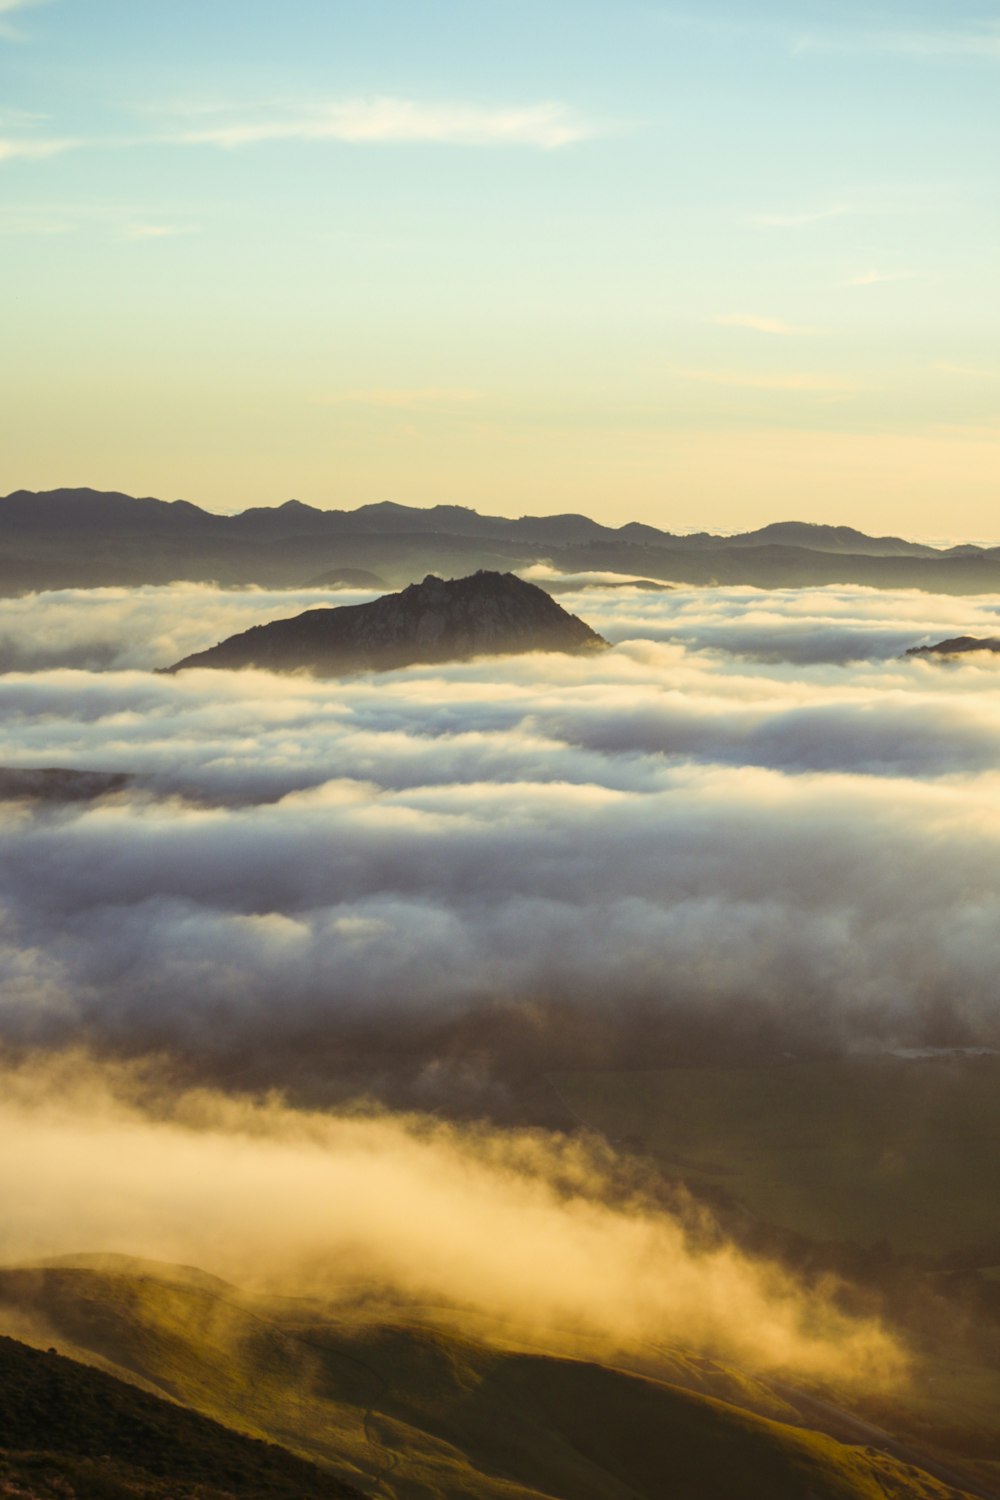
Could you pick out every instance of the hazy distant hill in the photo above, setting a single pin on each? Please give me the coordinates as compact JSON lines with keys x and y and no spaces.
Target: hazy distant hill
{"x":414,"y":1413}
{"x":85,"y":538}
{"x":434,"y":621}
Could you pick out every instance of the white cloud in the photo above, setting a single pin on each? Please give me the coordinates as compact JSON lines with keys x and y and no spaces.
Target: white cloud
{"x":761,"y":325}
{"x":477,"y":855}
{"x":388,"y":120}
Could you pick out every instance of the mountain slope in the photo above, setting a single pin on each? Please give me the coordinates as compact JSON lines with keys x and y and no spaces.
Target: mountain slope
{"x":61,"y":1419}
{"x":435,"y":621}
{"x":424,"y":1414}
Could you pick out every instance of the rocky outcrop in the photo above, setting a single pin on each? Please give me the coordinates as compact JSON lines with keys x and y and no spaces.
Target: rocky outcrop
{"x":487,"y":614}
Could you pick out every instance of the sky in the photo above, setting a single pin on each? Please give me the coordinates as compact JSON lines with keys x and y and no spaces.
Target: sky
{"x":703,"y":265}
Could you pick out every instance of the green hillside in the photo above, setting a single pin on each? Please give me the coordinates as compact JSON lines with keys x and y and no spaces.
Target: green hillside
{"x":64,"y":1424}
{"x":414,"y":1414}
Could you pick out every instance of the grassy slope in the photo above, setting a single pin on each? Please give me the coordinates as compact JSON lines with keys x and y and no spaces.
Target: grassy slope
{"x":903,"y":1151}
{"x":60,"y":1419}
{"x":422,"y":1414}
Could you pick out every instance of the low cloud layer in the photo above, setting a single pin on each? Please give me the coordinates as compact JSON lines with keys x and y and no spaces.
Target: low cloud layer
{"x":432,"y":883}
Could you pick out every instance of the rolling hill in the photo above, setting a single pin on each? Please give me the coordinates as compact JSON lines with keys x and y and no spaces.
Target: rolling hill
{"x":418,"y":1413}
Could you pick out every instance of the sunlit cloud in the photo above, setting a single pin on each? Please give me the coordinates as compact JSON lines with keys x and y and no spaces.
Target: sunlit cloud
{"x":751,"y":380}
{"x":878,"y":278}
{"x":546,"y":125}
{"x":550,"y":1234}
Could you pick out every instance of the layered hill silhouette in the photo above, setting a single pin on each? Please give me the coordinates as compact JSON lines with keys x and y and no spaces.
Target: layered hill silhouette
{"x":487,"y":614}
{"x":86,"y":538}
{"x":409,"y":1412}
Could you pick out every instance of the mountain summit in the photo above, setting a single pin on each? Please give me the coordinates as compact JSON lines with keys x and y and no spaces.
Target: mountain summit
{"x":487,"y":614}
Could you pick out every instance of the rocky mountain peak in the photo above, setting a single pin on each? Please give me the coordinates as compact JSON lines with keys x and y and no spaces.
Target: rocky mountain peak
{"x":438,"y":620}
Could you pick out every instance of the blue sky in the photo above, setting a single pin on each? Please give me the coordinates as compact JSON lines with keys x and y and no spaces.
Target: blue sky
{"x":708,"y":264}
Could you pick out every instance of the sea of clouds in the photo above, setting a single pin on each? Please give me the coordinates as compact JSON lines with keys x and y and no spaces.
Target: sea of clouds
{"x":678,"y":845}
{"x":751,"y":829}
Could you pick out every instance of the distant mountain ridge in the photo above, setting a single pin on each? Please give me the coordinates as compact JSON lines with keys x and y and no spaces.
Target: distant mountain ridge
{"x":86,"y":506}
{"x":487,"y":614}
{"x":86,"y":538}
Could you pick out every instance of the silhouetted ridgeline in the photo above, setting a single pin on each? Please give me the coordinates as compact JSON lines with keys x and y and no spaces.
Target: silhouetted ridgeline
{"x":85,"y":538}
{"x":435,"y":621}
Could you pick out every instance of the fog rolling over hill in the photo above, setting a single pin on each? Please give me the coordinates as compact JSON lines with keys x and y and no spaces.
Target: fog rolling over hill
{"x":489,"y":614}
{"x":402,"y":1409}
{"x":81,"y":538}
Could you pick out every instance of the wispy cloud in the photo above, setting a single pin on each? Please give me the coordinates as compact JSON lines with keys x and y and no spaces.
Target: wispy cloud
{"x":758,"y":324}
{"x":386,"y":120}
{"x":971,"y":372}
{"x":7,"y":8}
{"x":753,"y":380}
{"x":803,"y":217}
{"x":968,"y":42}
{"x":17,"y":119}
{"x":156,"y":231}
{"x":28,"y":226}
{"x":12,"y":149}
{"x":878,"y":278}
